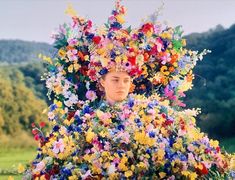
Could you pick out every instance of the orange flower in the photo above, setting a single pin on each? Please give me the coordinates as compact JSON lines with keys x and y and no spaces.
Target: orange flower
{"x":164,"y":70}
{"x":80,"y":55}
{"x":174,"y":58}
{"x":171,"y":69}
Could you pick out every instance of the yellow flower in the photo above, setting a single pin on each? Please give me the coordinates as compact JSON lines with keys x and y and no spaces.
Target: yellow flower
{"x":122,"y":165}
{"x":70,"y":11}
{"x":162,"y":174}
{"x":185,"y":173}
{"x":104,"y":61}
{"x":183,"y":42}
{"x":10,"y":178}
{"x":74,"y":177}
{"x":76,"y":66}
{"x":193,"y":176}
{"x":178,"y":144}
{"x":70,"y":68}
{"x":118,"y":59}
{"x":96,"y":170}
{"x":198,"y":166}
{"x":86,"y":57}
{"x":141,"y":165}
{"x":58,"y":103}
{"x":101,"y":51}
{"x":140,"y":59}
{"x":128,"y":173}
{"x":88,"y":157}
{"x":89,"y":136}
{"x":160,"y":154}
{"x":110,"y":46}
{"x":166,"y":35}
{"x":164,"y":70}
{"x":120,"y":18}
{"x":21,"y":168}
{"x":214,"y":143}
{"x":62,"y":53}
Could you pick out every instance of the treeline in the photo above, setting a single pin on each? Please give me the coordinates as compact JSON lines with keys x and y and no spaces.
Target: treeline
{"x":21,"y":104}
{"x":214,"y":84}
{"x":18,"y":51}
{"x":23,"y":94}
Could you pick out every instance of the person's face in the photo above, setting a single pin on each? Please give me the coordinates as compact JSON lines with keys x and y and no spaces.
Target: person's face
{"x":116,"y":86}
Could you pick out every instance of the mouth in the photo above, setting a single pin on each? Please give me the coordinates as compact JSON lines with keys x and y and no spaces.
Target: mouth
{"x":120,"y":92}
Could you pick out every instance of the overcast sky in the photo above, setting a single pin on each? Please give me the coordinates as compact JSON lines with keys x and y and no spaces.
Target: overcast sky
{"x":34,"y":20}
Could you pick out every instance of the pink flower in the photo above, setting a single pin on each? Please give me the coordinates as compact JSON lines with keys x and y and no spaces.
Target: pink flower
{"x":91,"y":95}
{"x":88,"y":173}
{"x":58,"y":146}
{"x":72,"y":41}
{"x":39,"y":167}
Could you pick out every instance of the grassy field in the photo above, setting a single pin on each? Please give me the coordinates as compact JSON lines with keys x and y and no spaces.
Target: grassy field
{"x":11,"y":158}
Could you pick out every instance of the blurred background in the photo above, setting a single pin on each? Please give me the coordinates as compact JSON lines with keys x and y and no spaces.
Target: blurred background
{"x":25,"y":30}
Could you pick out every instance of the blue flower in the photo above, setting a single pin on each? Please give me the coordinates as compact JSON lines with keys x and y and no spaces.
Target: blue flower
{"x":152,"y":134}
{"x":110,"y":35}
{"x":148,"y":151}
{"x":121,"y":127}
{"x":131,"y":102}
{"x":56,"y":128}
{"x":174,"y":84}
{"x":78,"y":120}
{"x":90,"y":36}
{"x":87,"y":110}
{"x":103,"y":71}
{"x":116,"y":25}
{"x":53,"y":107}
{"x":66,"y":171}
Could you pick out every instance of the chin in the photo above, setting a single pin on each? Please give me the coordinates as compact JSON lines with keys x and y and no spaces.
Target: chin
{"x":120,"y":98}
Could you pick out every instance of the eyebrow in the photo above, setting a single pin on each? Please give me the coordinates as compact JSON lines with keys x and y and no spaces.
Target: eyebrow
{"x":119,"y":77}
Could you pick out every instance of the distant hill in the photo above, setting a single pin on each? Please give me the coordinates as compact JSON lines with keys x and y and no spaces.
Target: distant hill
{"x":18,"y":51}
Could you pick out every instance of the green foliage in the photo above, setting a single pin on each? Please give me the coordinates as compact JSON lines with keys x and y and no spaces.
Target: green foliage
{"x":216,"y":98}
{"x":19,"y":105}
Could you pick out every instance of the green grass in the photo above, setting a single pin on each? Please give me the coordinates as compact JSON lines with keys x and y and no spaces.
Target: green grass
{"x":11,"y":158}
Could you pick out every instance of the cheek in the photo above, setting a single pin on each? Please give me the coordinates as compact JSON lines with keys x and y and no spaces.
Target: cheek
{"x":109,"y":87}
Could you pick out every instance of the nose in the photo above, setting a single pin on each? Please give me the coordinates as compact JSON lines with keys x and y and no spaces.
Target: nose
{"x":121,"y":84}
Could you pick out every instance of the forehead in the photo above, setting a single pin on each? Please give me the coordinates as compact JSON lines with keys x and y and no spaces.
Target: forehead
{"x":120,"y":74}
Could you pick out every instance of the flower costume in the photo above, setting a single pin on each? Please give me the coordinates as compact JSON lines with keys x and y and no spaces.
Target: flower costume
{"x":150,"y":134}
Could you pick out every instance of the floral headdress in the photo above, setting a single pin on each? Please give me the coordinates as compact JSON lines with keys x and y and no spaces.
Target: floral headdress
{"x":155,"y":56}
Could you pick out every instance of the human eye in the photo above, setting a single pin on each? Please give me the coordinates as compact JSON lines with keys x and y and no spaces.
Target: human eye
{"x":115,"y":80}
{"x":126,"y":80}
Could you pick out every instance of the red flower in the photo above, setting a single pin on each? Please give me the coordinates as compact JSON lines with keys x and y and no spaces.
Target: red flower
{"x":96,"y":39}
{"x":202,"y":171}
{"x":33,"y":125}
{"x":36,"y":137}
{"x":84,"y":70}
{"x":89,"y":24}
{"x":218,"y":149}
{"x":146,"y":57}
{"x":132,"y":60}
{"x":70,"y":115}
{"x":147,"y":27}
{"x":34,"y":131}
{"x":42,"y":124}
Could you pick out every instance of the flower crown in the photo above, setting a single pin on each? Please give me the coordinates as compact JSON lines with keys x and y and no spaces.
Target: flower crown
{"x":155,"y":56}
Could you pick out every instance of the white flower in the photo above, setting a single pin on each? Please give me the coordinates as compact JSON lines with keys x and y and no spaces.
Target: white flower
{"x":111,"y":169}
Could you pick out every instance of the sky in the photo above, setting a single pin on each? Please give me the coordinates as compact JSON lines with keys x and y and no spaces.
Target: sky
{"x":35,"y":20}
